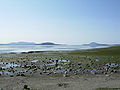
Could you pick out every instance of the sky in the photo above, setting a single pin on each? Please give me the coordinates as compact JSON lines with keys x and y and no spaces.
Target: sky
{"x":60,"y":21}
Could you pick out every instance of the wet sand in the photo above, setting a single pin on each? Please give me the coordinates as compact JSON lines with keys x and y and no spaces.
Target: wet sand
{"x":57,"y":82}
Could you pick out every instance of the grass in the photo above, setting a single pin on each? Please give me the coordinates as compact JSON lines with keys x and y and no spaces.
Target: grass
{"x":111,"y":51}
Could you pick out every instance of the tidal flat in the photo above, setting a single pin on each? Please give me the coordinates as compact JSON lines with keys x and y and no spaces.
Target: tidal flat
{"x":91,"y":69}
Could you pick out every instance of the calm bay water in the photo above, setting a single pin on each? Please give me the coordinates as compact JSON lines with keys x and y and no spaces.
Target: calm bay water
{"x":26,"y":48}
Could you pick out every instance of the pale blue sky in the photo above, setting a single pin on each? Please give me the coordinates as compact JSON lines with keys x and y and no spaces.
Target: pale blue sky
{"x":60,"y":21}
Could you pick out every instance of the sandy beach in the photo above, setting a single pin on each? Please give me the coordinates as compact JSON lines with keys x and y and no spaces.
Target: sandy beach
{"x":76,"y":82}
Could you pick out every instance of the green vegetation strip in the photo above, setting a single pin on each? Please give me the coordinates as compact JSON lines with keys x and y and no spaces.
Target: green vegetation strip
{"x":111,"y":51}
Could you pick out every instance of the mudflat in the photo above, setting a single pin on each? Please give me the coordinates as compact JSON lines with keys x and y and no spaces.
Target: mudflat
{"x":75,"y":70}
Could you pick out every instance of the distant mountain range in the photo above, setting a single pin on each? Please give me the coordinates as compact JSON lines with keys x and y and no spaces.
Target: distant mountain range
{"x":47,"y":43}
{"x":92,"y":44}
{"x":22,"y":43}
{"x":29,"y":43}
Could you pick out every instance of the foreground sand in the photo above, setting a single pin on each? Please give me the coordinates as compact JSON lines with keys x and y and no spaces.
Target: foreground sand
{"x":74,"y":82}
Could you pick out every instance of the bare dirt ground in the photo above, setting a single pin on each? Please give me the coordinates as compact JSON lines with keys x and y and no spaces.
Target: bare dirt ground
{"x":57,"y":82}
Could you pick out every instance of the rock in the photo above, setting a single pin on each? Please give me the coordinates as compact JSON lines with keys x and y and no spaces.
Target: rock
{"x":93,"y":72}
{"x":62,"y":85}
{"x":107,"y":75}
{"x":22,"y":74}
{"x":1,"y":89}
{"x":18,"y":75}
{"x":0,"y":68}
{"x":40,"y":73}
{"x":65,"y":74}
{"x":11,"y":75}
{"x":26,"y":87}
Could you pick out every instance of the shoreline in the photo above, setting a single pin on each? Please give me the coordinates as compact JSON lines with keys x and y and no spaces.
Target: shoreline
{"x":16,"y":49}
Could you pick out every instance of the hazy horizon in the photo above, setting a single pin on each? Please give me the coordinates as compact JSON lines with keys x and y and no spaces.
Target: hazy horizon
{"x":60,"y":21}
{"x":56,"y":43}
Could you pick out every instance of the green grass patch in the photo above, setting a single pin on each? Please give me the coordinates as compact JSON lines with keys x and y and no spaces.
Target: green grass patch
{"x":111,"y":51}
